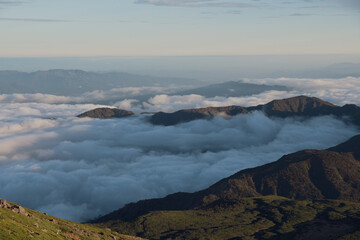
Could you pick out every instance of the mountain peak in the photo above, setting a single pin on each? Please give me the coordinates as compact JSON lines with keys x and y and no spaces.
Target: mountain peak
{"x":106,"y":113}
{"x":299,"y":104}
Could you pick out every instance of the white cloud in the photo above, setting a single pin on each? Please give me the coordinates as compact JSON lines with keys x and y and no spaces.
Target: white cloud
{"x":71,"y":167}
{"x":88,"y":97}
{"x":17,"y":112}
{"x":168,"y":103}
{"x":338,"y":91}
{"x":126,"y":104}
{"x":24,"y":125}
{"x":54,"y":162}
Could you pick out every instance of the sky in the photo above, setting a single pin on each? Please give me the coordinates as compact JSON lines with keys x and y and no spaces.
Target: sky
{"x":84,"y":28}
{"x":54,"y":162}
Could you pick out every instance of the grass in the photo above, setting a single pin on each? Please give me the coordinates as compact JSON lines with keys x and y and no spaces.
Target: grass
{"x":36,"y":225}
{"x":268,"y":217}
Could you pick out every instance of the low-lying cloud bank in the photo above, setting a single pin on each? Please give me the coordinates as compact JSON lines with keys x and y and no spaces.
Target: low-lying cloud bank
{"x":338,"y":91}
{"x":88,"y":97}
{"x":81,"y":168}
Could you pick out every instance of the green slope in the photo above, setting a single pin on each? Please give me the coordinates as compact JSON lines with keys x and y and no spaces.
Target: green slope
{"x":17,"y":223}
{"x":270,"y":217}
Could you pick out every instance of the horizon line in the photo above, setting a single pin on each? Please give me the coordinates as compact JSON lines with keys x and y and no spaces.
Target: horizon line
{"x":163,"y":56}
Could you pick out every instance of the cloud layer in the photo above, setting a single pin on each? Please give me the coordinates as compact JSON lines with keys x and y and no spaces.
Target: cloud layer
{"x":98,"y":96}
{"x":81,"y":168}
{"x":338,"y":91}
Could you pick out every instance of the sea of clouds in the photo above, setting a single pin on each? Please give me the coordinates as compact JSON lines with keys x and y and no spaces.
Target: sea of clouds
{"x":79,"y":169}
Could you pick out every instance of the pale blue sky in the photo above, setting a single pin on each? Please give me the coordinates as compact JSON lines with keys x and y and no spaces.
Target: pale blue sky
{"x":50,"y":28}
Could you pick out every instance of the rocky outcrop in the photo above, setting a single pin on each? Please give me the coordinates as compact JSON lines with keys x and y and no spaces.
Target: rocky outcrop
{"x":14,"y":208}
{"x":4,"y":204}
{"x":106,"y":113}
{"x":301,"y":105}
{"x":17,"y":223}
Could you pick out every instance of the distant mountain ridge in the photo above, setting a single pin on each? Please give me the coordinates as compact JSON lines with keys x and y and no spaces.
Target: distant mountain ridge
{"x":231,"y":89}
{"x":74,"y":82}
{"x":301,"y":106}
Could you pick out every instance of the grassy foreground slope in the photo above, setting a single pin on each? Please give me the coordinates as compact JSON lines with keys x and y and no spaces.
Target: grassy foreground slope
{"x":17,"y":223}
{"x":269,"y":217}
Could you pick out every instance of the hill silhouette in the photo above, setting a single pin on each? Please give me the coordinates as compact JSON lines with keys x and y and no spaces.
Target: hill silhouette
{"x":75,"y":82}
{"x":106,"y":113}
{"x":300,"y":106}
{"x":308,"y":174}
{"x":231,"y":89}
{"x":310,"y":194}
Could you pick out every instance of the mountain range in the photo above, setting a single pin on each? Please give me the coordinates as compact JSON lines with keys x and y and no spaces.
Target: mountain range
{"x":312,"y":194}
{"x":300,"y":106}
{"x":74,"y":82}
{"x":111,"y":85}
{"x":336,"y":70}
{"x":224,"y":89}
{"x":231,"y":89}
{"x":307,"y":174}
